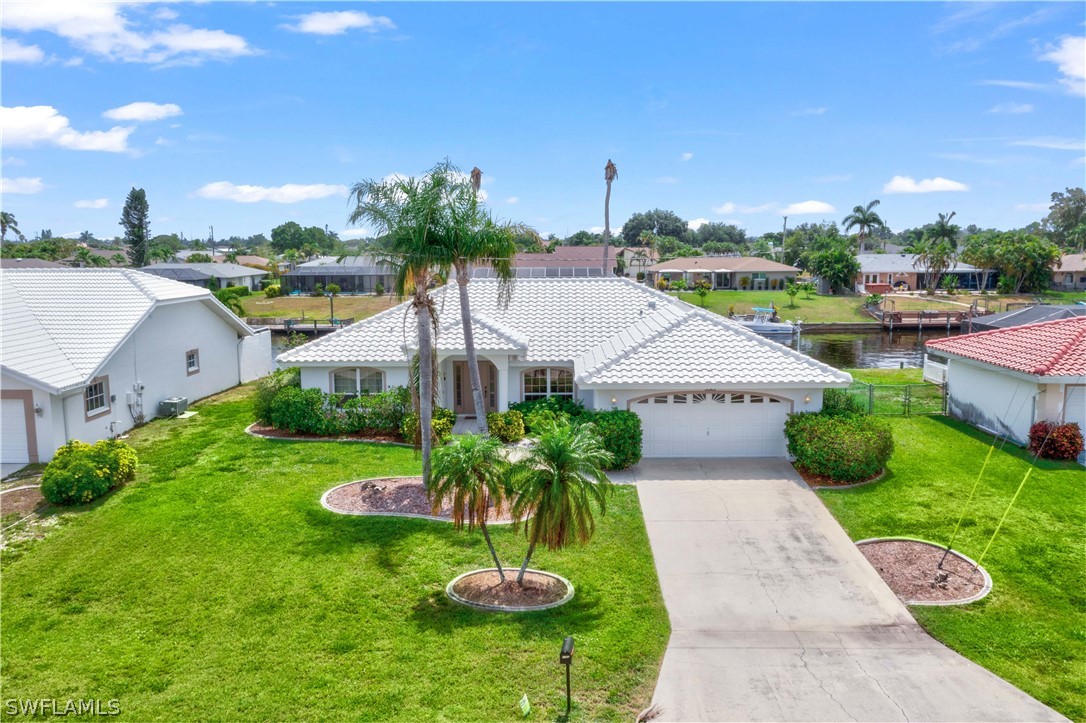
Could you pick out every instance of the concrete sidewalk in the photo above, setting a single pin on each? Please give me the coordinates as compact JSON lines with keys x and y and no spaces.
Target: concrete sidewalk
{"x":776,"y":616}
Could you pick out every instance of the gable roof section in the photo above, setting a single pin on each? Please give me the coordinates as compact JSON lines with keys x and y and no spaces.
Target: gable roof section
{"x":1072,"y":263}
{"x":688,"y":346}
{"x":900,"y":263}
{"x":222,"y":271}
{"x":60,"y":326}
{"x":723,"y":264}
{"x":1049,"y":349}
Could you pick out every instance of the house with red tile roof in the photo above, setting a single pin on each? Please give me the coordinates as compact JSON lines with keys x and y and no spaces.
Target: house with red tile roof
{"x":1006,"y":379}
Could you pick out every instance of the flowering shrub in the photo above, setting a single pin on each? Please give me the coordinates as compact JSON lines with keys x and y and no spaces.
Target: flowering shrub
{"x":506,"y":426}
{"x":81,"y":472}
{"x":844,"y":447}
{"x":1052,"y":440}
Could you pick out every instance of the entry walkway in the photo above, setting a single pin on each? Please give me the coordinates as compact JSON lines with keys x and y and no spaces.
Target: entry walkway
{"x":776,"y":616}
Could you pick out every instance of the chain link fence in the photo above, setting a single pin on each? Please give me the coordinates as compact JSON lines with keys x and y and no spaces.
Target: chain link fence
{"x":900,"y":400}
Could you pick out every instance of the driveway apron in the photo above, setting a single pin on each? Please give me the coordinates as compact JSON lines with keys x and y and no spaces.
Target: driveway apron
{"x":776,"y":616}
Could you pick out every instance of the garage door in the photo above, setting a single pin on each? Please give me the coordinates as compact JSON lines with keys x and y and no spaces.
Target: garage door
{"x":13,"y":447}
{"x":712,"y":425}
{"x":1075,"y":407}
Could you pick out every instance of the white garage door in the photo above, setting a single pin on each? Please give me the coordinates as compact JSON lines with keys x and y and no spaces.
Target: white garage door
{"x":1075,"y":406}
{"x":13,"y":449}
{"x":712,"y":425}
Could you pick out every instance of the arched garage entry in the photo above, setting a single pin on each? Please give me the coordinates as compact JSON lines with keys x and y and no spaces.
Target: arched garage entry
{"x":712,"y":424}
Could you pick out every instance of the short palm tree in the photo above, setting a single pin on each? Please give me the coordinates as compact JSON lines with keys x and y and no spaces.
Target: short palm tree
{"x":610,"y":173}
{"x":118,"y":260}
{"x":865,"y":220}
{"x":935,"y":257}
{"x":559,"y":484}
{"x":469,"y":475}
{"x":84,"y":258}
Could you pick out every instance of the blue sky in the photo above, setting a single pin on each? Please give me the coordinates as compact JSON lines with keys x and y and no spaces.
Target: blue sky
{"x":247,"y":115}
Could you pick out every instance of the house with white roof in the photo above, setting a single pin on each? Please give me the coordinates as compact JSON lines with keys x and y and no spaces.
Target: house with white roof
{"x":86,"y":353}
{"x":702,"y":385}
{"x":882,"y":273}
{"x":200,"y":274}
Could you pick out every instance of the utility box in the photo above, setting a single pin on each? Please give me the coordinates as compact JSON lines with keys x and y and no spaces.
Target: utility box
{"x":173,"y":406}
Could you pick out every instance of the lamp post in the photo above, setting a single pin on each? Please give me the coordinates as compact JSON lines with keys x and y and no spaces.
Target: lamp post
{"x":566,"y":658}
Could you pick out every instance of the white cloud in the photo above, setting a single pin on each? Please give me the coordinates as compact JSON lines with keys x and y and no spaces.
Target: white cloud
{"x":1070,"y":57}
{"x":686,"y":156}
{"x":160,"y":141}
{"x":21,"y":185}
{"x":42,"y":124}
{"x":165,"y":14}
{"x":1032,"y":206}
{"x":95,"y":203}
{"x":337,"y":23}
{"x":355,"y":233}
{"x":143,"y":111}
{"x":12,"y":51}
{"x":809,"y":111}
{"x":731,"y":207}
{"x":512,"y":200}
{"x":101,"y":28}
{"x":1012,"y":108}
{"x":695,"y":224}
{"x":907,"y":184}
{"x":287,"y":193}
{"x":669,"y":180}
{"x":806,"y":207}
{"x":13,"y":161}
{"x":1058,"y":144}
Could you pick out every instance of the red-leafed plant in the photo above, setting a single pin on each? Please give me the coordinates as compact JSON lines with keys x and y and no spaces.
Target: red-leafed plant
{"x":1051,"y":440}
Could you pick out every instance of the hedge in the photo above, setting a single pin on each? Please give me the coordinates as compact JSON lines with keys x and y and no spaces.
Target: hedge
{"x":1052,"y":440}
{"x":842,"y":447}
{"x":506,"y":426}
{"x":441,"y":425}
{"x":280,"y":402}
{"x":81,"y":472}
{"x":620,"y":433}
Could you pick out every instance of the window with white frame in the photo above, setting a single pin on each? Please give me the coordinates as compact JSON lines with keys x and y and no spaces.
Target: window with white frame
{"x":192,"y":361}
{"x":352,"y":382}
{"x":541,"y":383}
{"x":96,"y":397}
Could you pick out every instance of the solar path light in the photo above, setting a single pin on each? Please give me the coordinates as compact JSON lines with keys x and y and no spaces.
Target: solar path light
{"x":566,"y":658}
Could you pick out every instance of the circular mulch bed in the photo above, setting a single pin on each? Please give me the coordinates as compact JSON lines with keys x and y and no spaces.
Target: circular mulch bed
{"x":21,"y":502}
{"x":394,"y":496}
{"x":911,"y":569}
{"x":483,"y":590}
{"x":818,"y":481}
{"x":259,"y":430}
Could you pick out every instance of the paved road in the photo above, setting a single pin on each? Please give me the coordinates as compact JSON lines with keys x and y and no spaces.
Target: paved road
{"x":776,"y":616}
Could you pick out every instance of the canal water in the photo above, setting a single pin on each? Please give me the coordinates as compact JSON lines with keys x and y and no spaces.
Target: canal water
{"x":867,"y":350}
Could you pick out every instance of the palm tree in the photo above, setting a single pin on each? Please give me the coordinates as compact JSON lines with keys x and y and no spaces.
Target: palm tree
{"x":935,"y":257}
{"x":159,"y":252}
{"x":944,"y":231}
{"x":865,"y":220}
{"x":410,"y":214}
{"x":231,"y":257}
{"x":558,"y":484}
{"x":8,"y":223}
{"x":118,"y":259}
{"x":84,"y":258}
{"x":470,"y":475}
{"x":610,"y":173}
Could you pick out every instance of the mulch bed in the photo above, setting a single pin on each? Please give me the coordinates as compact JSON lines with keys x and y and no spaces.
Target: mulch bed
{"x":487,"y":588}
{"x":818,"y":480}
{"x":394,"y":495}
{"x":359,"y":436}
{"x":22,"y":502}
{"x":911,"y":569}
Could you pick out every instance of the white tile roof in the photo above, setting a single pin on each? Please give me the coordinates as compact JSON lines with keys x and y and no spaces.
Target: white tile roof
{"x":60,"y":325}
{"x":614,"y":331}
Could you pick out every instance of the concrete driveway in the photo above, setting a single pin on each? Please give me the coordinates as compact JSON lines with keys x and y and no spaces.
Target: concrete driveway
{"x":776,"y":616}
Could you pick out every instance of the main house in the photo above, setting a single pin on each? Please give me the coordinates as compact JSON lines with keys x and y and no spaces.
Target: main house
{"x":87,"y":353}
{"x":724,"y":272}
{"x":703,"y":385}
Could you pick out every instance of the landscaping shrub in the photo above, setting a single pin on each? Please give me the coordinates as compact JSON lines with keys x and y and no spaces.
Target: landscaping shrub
{"x":620,"y":434}
{"x":1052,"y":440}
{"x":378,"y":289}
{"x":541,"y":419}
{"x":233,"y":292}
{"x":303,"y":411}
{"x":441,"y":425}
{"x":842,"y":447}
{"x":270,"y":386}
{"x":506,"y":426}
{"x":272,"y":291}
{"x":571,"y":407}
{"x":839,"y":401}
{"x":381,"y":412}
{"x":81,"y":472}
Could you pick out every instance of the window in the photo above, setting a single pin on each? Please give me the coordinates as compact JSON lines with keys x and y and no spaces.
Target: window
{"x":352,"y":382}
{"x":192,"y":361}
{"x":96,"y":397}
{"x":541,"y":383}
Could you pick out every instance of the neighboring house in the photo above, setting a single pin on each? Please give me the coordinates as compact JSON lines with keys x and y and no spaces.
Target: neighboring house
{"x":1005,"y":380}
{"x":107,"y":254}
{"x":1028,"y":315}
{"x":725,"y":272}
{"x":200,"y":274}
{"x":1071,"y":275}
{"x":703,"y":386}
{"x":636,"y":260}
{"x":353,"y":275}
{"x":245,"y":260}
{"x":564,"y":262}
{"x":900,"y":271}
{"x":90,"y":352}
{"x":30,"y":264}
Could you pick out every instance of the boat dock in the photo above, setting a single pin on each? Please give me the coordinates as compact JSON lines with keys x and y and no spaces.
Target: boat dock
{"x":923,"y":319}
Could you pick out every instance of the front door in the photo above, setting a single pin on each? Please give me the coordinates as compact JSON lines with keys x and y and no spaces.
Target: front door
{"x":488,"y":375}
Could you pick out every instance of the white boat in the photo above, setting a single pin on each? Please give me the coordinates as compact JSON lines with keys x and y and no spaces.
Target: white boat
{"x":762,"y":322}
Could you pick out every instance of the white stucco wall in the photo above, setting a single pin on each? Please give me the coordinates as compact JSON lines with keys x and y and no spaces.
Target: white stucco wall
{"x":255,"y":356}
{"x":995,"y":401}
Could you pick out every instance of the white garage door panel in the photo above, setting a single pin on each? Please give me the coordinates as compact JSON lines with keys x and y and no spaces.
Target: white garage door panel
{"x":13,"y":448}
{"x":712,"y":425}
{"x":1075,"y":409}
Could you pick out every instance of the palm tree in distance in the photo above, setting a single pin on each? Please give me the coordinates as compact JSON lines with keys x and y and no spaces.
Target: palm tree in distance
{"x":8,"y":223}
{"x":610,"y":173}
{"x":84,"y":258}
{"x":945,"y":231}
{"x":865,"y":220}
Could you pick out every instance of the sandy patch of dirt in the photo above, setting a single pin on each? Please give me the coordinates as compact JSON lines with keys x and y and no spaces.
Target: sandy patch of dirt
{"x":912,"y":571}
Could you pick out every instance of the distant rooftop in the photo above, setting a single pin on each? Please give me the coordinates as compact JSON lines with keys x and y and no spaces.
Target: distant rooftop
{"x":895,"y":263}
{"x":29,"y":264}
{"x":183,"y":271}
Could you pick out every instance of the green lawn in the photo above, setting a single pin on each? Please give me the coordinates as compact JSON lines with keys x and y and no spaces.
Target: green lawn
{"x":215,"y":587}
{"x":817,"y":308}
{"x":1031,"y":630}
{"x":316,"y":307}
{"x":888,"y":376}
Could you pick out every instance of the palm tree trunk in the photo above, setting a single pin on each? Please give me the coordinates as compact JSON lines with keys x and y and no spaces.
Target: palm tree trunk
{"x":493,"y":552}
{"x":469,"y":346}
{"x":426,"y":385}
{"x":527,"y":559}
{"x":606,"y":227}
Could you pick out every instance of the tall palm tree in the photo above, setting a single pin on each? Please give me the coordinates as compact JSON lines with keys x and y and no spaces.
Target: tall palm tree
{"x":610,"y":173}
{"x":865,"y":220}
{"x":944,"y":231}
{"x":8,"y":223}
{"x":470,"y":474}
{"x":410,"y":214}
{"x":559,"y":484}
{"x":935,"y":257}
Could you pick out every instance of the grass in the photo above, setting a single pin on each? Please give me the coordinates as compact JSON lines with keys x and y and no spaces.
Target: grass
{"x":816,"y":309}
{"x":316,"y":307}
{"x":215,"y":587}
{"x":888,"y":376}
{"x":1031,"y":630}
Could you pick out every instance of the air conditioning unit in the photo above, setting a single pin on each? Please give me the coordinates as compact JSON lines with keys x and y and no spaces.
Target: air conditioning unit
{"x":173,"y":406}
